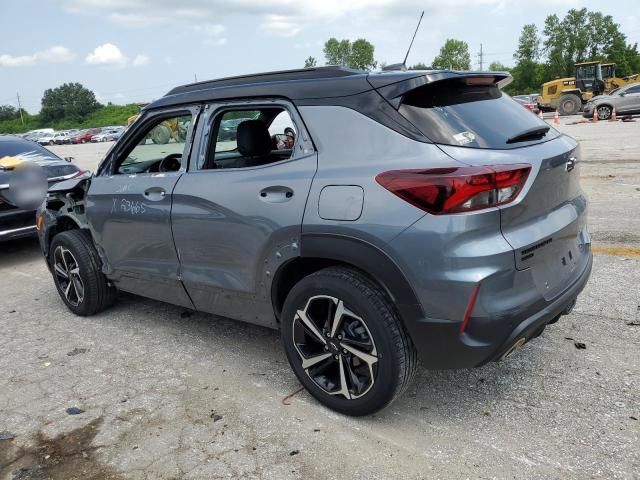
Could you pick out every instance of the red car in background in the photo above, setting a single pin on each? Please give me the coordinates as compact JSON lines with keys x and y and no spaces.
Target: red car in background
{"x":529,"y":102}
{"x":85,"y":135}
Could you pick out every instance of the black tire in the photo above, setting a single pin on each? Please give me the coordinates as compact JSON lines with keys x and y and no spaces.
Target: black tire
{"x":604,"y":112}
{"x":97,"y":293}
{"x":396,"y":355}
{"x":569,"y":104}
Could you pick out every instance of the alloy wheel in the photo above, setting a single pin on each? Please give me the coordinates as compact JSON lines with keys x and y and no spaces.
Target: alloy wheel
{"x":604,"y":112}
{"x":335,"y":347}
{"x":67,"y":273}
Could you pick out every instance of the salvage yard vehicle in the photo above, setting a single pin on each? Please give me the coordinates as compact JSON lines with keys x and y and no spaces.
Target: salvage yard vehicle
{"x":84,"y":136}
{"x":568,"y":95}
{"x":16,"y":222}
{"x":107,"y":135}
{"x":528,"y":101}
{"x":408,"y":214}
{"x":625,"y":101}
{"x":47,"y":139}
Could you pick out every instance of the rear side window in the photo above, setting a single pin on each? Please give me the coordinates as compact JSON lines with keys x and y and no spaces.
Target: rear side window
{"x":475,"y":116}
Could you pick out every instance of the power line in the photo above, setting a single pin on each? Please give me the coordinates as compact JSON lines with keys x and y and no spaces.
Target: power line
{"x":20,"y":109}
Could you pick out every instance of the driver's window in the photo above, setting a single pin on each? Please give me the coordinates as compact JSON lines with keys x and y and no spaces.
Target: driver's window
{"x":160,"y":147}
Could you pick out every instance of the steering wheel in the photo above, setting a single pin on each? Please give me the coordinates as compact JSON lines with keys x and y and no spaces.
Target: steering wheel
{"x":170,"y":163}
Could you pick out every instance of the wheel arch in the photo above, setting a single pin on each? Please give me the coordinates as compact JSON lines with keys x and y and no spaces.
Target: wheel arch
{"x":320,"y":251}
{"x":63,"y":223}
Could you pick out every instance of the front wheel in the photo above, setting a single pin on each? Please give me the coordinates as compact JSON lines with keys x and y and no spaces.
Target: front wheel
{"x":604,"y":112}
{"x":569,"y":104}
{"x":345,"y":341}
{"x":75,"y":266}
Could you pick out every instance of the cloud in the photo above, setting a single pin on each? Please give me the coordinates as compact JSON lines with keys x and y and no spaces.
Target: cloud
{"x":283,"y":18}
{"x":281,"y":25}
{"x":217,"y":42}
{"x":141,"y":60}
{"x":56,"y":54}
{"x":107,"y":54}
{"x":212,"y":29}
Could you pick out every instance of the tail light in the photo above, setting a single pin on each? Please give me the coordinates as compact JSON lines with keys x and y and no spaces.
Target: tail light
{"x":457,"y":189}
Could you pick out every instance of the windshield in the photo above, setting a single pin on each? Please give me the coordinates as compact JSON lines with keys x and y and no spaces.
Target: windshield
{"x":25,"y":150}
{"x":474,"y":116}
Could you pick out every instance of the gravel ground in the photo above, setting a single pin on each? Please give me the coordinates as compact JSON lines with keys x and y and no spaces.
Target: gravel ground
{"x":172,"y":395}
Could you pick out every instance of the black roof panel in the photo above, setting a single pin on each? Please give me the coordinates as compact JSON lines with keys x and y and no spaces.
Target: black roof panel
{"x":302,"y":84}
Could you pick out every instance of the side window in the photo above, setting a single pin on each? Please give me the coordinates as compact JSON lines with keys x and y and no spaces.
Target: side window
{"x":159,"y":148}
{"x":635,"y":89}
{"x":243,"y":138}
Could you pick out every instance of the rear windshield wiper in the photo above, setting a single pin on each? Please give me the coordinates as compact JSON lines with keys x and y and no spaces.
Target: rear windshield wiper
{"x":529,"y":134}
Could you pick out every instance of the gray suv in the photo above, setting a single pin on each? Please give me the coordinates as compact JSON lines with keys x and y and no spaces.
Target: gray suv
{"x":373,"y":218}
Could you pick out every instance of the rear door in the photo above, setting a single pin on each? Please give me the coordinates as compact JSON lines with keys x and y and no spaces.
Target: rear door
{"x":237,"y":212}
{"x":477,"y":124}
{"x":129,"y":206}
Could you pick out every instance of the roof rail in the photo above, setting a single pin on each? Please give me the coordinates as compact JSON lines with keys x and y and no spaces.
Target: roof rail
{"x":331,"y":71}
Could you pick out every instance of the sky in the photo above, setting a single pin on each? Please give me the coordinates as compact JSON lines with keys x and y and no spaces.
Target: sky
{"x":136,"y":50}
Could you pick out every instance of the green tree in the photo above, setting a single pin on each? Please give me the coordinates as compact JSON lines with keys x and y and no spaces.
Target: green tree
{"x":498,"y":67}
{"x":70,"y":101}
{"x":310,"y":62}
{"x":419,"y":66}
{"x":358,"y":55}
{"x":528,"y":44}
{"x":527,"y":73}
{"x":582,"y":36}
{"x":453,"y":55}
{"x":8,"y":112}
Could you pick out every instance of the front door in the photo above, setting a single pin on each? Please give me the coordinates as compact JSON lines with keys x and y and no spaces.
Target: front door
{"x":237,"y":212}
{"x":129,"y":206}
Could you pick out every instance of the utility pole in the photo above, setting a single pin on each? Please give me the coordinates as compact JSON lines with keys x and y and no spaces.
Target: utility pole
{"x":481,"y":55}
{"x":20,"y":109}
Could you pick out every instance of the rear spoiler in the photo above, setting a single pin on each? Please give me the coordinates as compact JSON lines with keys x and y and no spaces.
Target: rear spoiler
{"x":393,"y":91}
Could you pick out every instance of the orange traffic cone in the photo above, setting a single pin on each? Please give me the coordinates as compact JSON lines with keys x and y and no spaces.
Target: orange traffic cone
{"x":595,"y":115}
{"x":613,"y":115}
{"x":556,"y":118}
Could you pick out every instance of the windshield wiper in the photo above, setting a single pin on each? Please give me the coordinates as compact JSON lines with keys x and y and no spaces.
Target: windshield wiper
{"x":530,"y":134}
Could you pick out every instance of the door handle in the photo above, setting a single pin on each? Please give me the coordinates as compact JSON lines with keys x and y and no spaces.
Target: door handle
{"x":276,"y":194}
{"x":155,"y":194}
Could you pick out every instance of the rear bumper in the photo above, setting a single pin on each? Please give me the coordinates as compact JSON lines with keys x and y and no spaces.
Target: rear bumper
{"x":440,"y":344}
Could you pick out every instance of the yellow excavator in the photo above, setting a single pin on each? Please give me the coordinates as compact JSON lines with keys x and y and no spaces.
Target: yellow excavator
{"x":164,"y":132}
{"x":567,"y":95}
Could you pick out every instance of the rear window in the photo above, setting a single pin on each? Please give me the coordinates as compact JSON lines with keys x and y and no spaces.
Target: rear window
{"x":475,"y":116}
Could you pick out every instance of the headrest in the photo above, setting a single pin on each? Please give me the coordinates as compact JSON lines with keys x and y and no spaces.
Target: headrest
{"x":253,"y":138}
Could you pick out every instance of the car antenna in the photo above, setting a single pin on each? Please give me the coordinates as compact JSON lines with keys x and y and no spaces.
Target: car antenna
{"x":403,"y":66}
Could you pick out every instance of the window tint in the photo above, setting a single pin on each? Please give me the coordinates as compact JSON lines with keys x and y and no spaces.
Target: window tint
{"x":475,"y":116}
{"x":160,"y":147}
{"x":634,"y":89}
{"x":250,"y":138}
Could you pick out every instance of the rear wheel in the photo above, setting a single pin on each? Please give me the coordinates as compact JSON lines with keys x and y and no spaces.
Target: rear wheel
{"x":604,"y":112}
{"x":345,"y":341}
{"x":569,"y":104}
{"x":76,"y":272}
